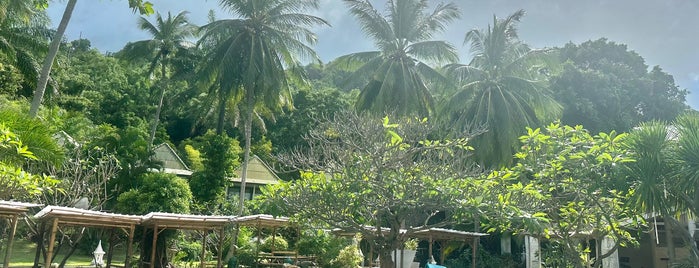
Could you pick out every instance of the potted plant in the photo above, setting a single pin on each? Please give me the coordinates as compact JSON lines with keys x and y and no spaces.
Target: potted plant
{"x":407,"y":254}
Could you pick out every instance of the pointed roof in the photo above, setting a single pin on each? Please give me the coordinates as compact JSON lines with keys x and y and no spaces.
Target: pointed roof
{"x":172,"y":163}
{"x":258,"y":173}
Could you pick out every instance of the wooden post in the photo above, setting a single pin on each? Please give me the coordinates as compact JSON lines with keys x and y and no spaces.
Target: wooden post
{"x":39,"y":243}
{"x":110,"y":249}
{"x":203,"y":249}
{"x":474,"y":246}
{"x":152,"y":251}
{"x":52,"y":240}
{"x":220,"y":247}
{"x":429,"y":250}
{"x":8,"y":250}
{"x":129,"y":246}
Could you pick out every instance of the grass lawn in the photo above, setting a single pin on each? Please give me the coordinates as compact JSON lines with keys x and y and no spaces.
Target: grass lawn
{"x":23,"y":256}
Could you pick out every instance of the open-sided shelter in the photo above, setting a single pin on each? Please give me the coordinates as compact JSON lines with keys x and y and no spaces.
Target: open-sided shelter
{"x":12,"y":210}
{"x":55,"y":216}
{"x":159,"y":221}
{"x":444,"y":235}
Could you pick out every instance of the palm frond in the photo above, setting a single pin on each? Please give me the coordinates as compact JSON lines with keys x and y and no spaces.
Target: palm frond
{"x":438,"y":52}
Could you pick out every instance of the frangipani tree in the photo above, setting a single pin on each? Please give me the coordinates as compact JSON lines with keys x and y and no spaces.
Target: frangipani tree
{"x":376,"y":177}
{"x":564,"y":183}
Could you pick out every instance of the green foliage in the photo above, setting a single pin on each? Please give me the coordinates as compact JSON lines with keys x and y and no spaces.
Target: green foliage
{"x":287,"y":132}
{"x":274,"y":243}
{"x":604,"y":86}
{"x":399,"y":71}
{"x":187,"y":251}
{"x":348,"y":257}
{"x":502,"y":89}
{"x":34,"y":134}
{"x":193,"y":158}
{"x":378,"y":173}
{"x":321,"y":244}
{"x":564,"y":183}
{"x":17,"y":183}
{"x":220,"y":157}
{"x":159,"y":192}
{"x":101,"y":87}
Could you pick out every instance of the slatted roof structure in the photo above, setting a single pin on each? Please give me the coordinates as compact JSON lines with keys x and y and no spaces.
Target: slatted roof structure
{"x":442,"y":235}
{"x":12,"y":210}
{"x":431,"y":235}
{"x":185,"y":221}
{"x":262,"y":221}
{"x":159,"y":221}
{"x":58,"y":215}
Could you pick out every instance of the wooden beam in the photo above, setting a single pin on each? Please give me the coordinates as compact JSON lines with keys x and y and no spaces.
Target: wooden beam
{"x":203,"y":249}
{"x":13,"y":231}
{"x":220,"y":247}
{"x":52,"y":240}
{"x":155,"y":240}
{"x":129,"y":247}
{"x":110,"y":249}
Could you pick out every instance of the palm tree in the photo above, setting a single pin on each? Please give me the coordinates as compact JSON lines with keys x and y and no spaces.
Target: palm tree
{"x":500,"y":89}
{"x":169,"y":37}
{"x":48,"y":61}
{"x":399,"y":74}
{"x":250,"y":59}
{"x":651,"y":174}
{"x":23,"y":33}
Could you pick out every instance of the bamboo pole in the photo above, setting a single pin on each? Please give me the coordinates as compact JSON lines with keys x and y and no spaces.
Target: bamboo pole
{"x":152,"y":251}
{"x":203,"y":249}
{"x":129,"y":247}
{"x":52,"y":240}
{"x":8,"y":251}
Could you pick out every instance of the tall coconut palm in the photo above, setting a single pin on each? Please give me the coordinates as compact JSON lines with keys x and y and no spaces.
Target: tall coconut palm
{"x":399,"y":73}
{"x":501,"y":89}
{"x":48,"y":61}
{"x":170,"y":36}
{"x":251,"y":58}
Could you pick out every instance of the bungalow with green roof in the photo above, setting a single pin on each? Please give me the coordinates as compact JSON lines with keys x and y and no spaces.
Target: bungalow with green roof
{"x":259,"y":174}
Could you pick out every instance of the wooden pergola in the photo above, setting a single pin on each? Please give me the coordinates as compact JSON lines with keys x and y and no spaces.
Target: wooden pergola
{"x":260,"y":221}
{"x":443,"y":235}
{"x":159,"y":221}
{"x":431,"y":235}
{"x":56,"y":215}
{"x":12,"y":210}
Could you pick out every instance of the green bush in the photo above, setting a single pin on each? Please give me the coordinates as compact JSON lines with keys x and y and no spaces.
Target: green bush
{"x":322,"y":245}
{"x":187,"y":251}
{"x":274,"y":243}
{"x":348,"y":257}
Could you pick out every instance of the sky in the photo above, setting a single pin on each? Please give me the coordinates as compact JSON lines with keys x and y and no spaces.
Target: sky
{"x":663,"y":32}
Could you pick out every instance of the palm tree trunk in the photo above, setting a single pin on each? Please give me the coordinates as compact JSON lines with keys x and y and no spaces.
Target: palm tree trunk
{"x":48,"y":62}
{"x":246,"y":155}
{"x":669,"y":239}
{"x":156,"y":117}
{"x":222,"y":100}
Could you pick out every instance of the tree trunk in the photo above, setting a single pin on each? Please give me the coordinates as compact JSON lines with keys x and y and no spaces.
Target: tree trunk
{"x":667,"y":221}
{"x":156,"y":117}
{"x":72,"y":248}
{"x":222,"y":100}
{"x":246,"y":155}
{"x":48,"y":62}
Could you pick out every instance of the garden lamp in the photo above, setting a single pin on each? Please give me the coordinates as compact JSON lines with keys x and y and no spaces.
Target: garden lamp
{"x":99,"y":255}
